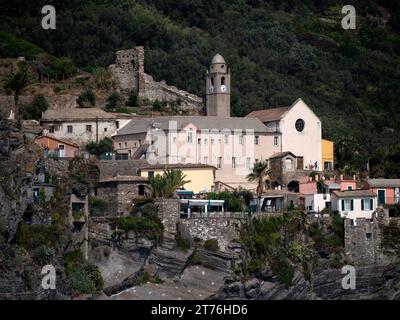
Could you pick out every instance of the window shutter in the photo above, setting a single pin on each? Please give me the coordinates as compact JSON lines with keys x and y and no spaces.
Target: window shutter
{"x":371,"y":201}
{"x":352,"y":205}
{"x":362,"y":204}
{"x":342,"y":205}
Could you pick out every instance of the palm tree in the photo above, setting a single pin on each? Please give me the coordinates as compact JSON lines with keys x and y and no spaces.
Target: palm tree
{"x":17,"y":82}
{"x":174,"y":180}
{"x":260,"y":172}
{"x":167,"y":184}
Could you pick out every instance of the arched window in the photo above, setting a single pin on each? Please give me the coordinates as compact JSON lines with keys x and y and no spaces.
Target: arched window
{"x":222,"y":81}
{"x":288,"y":163}
{"x":212,"y":81}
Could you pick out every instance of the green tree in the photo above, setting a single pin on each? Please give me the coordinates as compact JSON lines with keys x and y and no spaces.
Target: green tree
{"x":113,"y":101}
{"x":34,"y":110}
{"x":105,"y":145}
{"x":86,"y":98}
{"x":17,"y":83}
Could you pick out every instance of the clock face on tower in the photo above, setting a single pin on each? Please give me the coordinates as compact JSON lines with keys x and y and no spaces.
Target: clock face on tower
{"x":299,"y":125}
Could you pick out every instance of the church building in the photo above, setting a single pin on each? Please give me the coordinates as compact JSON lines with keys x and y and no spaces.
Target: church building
{"x":230,"y":144}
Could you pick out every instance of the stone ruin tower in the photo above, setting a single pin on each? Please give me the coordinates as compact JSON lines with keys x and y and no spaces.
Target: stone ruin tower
{"x":128,"y":70}
{"x":128,"y":74}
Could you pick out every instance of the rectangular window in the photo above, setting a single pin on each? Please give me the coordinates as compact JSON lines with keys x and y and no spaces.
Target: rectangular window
{"x":105,"y":129}
{"x":248,"y":162}
{"x":367,"y":204}
{"x":368,"y":236}
{"x":117,"y":124}
{"x":119,"y":145}
{"x":233,"y":162}
{"x":205,"y":160}
{"x":88,"y":128}
{"x":69,"y":129}
{"x":240,"y":139}
{"x":190,"y":136}
{"x":198,"y":141}
{"x":327,"y":165}
{"x":226,"y":139}
{"x":212,"y":141}
{"x":126,"y":145}
{"x":141,"y":189}
{"x":151,"y":174}
{"x":173,"y":139}
{"x":205,"y":141}
{"x":276,"y":140}
{"x":219,"y":164}
{"x":51,"y":129}
{"x":256,"y":140}
{"x":347,"y":205}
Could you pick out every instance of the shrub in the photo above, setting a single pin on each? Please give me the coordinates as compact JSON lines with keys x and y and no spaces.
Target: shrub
{"x":132,"y":99}
{"x":255,"y":266}
{"x":43,"y":255}
{"x":148,"y":226}
{"x":35,"y":109}
{"x":86,"y":98}
{"x":211,"y":244}
{"x":97,"y":206}
{"x":102,"y":78}
{"x":113,"y":101}
{"x":182,"y":243}
{"x":157,"y":105}
{"x":82,"y":277}
{"x":281,"y":266}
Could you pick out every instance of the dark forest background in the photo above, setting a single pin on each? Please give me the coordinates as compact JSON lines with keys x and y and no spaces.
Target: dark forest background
{"x":278,"y":51}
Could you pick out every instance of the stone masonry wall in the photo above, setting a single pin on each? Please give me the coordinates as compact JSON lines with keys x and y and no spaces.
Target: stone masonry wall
{"x":361,"y":249}
{"x":128,"y":74}
{"x":168,"y":211}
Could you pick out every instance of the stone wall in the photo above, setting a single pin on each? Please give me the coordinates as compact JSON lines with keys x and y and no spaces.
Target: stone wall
{"x":128,"y":74}
{"x":362,"y":241}
{"x":223,"y":228}
{"x":169,"y":213}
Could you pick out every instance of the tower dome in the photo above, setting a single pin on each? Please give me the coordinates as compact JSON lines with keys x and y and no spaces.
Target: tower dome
{"x":218,"y":59}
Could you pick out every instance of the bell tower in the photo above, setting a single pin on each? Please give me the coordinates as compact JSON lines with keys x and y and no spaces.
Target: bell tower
{"x":218,"y":88}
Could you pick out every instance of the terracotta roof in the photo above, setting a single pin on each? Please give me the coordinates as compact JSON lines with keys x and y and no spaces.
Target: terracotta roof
{"x":123,"y":179}
{"x":178,"y":166}
{"x":354,"y":193}
{"x":63,"y":140}
{"x":80,"y":114}
{"x":384,"y":183}
{"x":267,"y":115}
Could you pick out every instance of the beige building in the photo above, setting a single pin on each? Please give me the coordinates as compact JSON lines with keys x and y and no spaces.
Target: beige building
{"x":232,"y":145}
{"x":201,"y":177}
{"x":300,"y":131}
{"x":82,"y":125}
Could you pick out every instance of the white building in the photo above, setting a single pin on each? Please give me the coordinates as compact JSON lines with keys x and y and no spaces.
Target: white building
{"x":353,"y":204}
{"x":298,"y":131}
{"x":82,"y":125}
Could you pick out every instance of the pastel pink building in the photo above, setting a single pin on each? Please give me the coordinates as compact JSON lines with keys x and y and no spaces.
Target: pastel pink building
{"x":387,"y":190}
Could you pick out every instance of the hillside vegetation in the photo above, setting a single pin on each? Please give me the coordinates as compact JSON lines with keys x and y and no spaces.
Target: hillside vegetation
{"x":278,"y":51}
